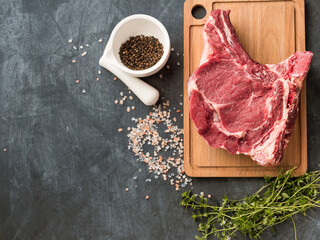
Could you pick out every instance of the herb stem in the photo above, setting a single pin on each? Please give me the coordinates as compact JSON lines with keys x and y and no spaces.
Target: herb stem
{"x":277,"y":201}
{"x":295,"y":230}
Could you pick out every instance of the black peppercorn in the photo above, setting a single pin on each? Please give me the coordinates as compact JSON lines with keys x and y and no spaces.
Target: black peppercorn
{"x":141,"y":52}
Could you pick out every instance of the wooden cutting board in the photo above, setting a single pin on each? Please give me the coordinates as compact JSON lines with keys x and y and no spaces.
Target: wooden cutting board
{"x":270,"y":31}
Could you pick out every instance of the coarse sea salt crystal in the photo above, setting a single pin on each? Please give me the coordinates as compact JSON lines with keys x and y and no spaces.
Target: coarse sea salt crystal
{"x":147,"y":133}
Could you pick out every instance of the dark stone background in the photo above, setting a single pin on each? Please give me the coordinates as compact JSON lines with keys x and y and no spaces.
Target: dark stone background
{"x":66,"y":166}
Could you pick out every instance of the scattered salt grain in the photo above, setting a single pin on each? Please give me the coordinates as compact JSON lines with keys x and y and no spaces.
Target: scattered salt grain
{"x":100,"y":40}
{"x":172,"y":49}
{"x":147,"y":197}
{"x":134,"y":177}
{"x":97,"y":79}
{"x":127,"y":189}
{"x":202,"y":194}
{"x":133,"y":108}
{"x":120,"y":130}
{"x":73,"y":60}
{"x":178,"y":54}
{"x":128,"y":109}
{"x":164,"y":177}
{"x":168,"y":66}
{"x":178,"y":64}
{"x":160,"y":76}
{"x":70,"y":40}
{"x":115,"y":78}
{"x":81,"y":47}
{"x":84,"y":91}
{"x":147,"y":133}
{"x":75,"y":48}
{"x":87,"y":45}
{"x":121,"y":102}
{"x":83,"y":54}
{"x":115,"y":101}
{"x":4,"y":149}
{"x":209,"y":196}
{"x":130,"y":97}
{"x":77,"y":81}
{"x":121,"y":94}
{"x":99,"y":72}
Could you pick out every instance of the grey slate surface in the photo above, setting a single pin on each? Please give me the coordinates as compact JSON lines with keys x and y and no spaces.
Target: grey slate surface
{"x":66,"y":166}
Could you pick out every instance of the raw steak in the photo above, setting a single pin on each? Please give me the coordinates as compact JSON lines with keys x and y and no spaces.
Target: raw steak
{"x":240,"y":105}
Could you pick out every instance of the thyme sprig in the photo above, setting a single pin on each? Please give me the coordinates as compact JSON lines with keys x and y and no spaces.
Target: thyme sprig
{"x":277,"y":201}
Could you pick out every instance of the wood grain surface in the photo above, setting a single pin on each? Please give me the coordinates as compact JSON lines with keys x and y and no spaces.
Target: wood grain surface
{"x":270,"y":31}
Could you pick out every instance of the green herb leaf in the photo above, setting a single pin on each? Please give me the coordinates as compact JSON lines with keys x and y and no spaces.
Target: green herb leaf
{"x":285,"y":195}
{"x":280,"y":199}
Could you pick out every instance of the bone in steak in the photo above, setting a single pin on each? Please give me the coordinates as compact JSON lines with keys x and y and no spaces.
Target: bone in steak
{"x":241,"y":105}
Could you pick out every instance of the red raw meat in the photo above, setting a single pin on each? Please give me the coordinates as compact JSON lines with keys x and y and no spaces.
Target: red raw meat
{"x":241,"y":105}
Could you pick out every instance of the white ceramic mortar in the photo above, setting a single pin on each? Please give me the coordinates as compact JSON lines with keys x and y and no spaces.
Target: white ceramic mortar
{"x":132,"y":26}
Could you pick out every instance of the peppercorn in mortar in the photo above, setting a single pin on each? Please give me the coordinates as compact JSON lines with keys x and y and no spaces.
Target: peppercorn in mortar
{"x":141,"y":52}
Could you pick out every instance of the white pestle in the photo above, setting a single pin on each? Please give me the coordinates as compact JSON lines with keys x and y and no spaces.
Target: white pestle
{"x":145,"y":92}
{"x":132,"y":26}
